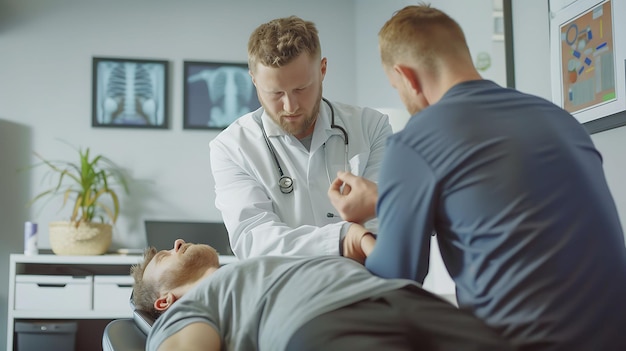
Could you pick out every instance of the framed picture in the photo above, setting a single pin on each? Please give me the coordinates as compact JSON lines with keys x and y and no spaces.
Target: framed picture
{"x":498,"y":26}
{"x":216,"y":94}
{"x":587,"y":47}
{"x":129,"y":93}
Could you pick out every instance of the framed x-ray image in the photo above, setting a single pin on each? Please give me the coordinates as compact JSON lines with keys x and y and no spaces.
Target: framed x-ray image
{"x":216,"y":94}
{"x":129,"y":93}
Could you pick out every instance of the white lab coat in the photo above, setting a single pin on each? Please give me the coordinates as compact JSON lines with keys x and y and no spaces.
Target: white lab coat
{"x":260,"y":219}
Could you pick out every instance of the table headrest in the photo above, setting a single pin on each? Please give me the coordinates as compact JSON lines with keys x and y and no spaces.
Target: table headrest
{"x":143,"y":319}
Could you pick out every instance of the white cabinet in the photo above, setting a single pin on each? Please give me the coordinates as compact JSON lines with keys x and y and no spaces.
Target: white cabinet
{"x":51,"y":287}
{"x":83,"y":288}
{"x":60,"y":293}
{"x":111,"y":292}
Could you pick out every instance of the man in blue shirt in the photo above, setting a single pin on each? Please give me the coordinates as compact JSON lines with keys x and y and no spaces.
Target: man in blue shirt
{"x":512,"y":186}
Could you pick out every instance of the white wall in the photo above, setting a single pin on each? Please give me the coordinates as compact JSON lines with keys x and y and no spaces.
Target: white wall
{"x":15,"y":139}
{"x":611,"y":144}
{"x":373,"y":88}
{"x":532,"y":47}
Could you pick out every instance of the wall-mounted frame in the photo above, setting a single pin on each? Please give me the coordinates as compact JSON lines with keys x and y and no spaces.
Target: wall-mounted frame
{"x":498,"y":25}
{"x":216,"y":94}
{"x":129,"y":93}
{"x":587,"y":50}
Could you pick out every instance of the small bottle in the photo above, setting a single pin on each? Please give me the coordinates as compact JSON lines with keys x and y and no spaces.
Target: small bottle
{"x":30,"y":239}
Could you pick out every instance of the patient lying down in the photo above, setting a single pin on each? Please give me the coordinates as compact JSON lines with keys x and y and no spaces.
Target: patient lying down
{"x":288,"y":303}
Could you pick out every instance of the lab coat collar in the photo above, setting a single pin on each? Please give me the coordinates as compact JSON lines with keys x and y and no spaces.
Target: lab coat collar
{"x":323,"y":131}
{"x":271,"y":128}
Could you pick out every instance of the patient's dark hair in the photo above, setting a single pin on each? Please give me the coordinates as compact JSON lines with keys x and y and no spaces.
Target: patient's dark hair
{"x":145,"y":293}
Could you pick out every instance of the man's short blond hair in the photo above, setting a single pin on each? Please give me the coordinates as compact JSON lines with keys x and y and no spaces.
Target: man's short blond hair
{"x":280,"y":41}
{"x":423,"y":35}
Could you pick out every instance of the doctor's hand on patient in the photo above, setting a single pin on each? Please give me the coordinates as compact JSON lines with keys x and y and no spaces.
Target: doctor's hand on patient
{"x":354,"y":197}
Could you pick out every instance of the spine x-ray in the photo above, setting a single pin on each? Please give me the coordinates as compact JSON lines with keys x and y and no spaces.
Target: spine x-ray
{"x":217,"y":94}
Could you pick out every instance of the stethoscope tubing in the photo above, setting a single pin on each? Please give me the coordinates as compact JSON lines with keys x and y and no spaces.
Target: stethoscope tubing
{"x":285,"y":182}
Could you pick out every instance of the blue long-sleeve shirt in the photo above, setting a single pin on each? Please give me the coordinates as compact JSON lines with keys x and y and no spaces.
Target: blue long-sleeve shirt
{"x":514,"y":189}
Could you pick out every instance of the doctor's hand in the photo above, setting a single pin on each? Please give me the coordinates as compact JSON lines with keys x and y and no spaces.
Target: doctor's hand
{"x":353,"y":197}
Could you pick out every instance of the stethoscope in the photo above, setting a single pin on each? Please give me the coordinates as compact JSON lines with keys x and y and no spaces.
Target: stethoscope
{"x":285,"y":182}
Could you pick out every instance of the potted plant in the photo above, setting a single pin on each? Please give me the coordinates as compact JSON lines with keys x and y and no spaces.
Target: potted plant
{"x":85,"y":185}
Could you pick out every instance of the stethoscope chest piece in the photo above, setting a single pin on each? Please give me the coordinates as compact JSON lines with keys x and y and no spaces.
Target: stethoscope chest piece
{"x":285,"y":183}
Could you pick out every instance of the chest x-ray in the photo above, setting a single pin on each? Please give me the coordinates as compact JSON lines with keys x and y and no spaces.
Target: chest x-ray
{"x":129,"y":93}
{"x":216,"y":94}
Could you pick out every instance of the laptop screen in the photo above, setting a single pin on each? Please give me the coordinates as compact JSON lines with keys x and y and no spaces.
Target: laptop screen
{"x":162,"y":234}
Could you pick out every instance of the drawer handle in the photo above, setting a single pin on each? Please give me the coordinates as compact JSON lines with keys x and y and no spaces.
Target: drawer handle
{"x":124,"y":285}
{"x":41,"y":285}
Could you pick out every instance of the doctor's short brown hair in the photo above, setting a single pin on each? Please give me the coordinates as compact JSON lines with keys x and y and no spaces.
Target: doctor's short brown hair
{"x":282,"y":40}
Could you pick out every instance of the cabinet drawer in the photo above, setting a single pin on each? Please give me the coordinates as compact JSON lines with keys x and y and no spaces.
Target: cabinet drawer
{"x":112,"y":292}
{"x":53,"y":292}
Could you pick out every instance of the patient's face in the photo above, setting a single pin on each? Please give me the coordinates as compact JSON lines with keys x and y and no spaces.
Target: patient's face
{"x":183,"y":264}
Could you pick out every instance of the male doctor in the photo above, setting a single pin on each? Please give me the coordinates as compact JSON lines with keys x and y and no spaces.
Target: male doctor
{"x":272,"y":167}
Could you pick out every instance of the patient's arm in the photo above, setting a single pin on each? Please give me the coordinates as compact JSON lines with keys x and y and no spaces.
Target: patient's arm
{"x":358,"y":243}
{"x":194,"y":337}
{"x":367,"y":243}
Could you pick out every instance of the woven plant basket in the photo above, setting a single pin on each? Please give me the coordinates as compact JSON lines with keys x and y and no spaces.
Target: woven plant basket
{"x":86,"y":239}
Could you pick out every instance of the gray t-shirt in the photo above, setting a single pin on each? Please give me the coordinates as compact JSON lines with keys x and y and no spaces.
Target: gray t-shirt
{"x":257,"y":304}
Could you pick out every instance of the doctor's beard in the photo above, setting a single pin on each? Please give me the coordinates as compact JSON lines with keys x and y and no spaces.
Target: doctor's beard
{"x":307,"y":123}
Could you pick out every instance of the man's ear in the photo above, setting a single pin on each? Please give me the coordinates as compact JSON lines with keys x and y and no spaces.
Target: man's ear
{"x":410,"y":78}
{"x":252,"y":76}
{"x":164,"y":302}
{"x":323,"y":65}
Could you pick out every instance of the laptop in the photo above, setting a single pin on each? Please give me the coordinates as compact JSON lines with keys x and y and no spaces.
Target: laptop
{"x":162,"y":234}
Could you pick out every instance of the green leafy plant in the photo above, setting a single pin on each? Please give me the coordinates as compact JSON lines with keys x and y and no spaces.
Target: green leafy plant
{"x":86,"y":184}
